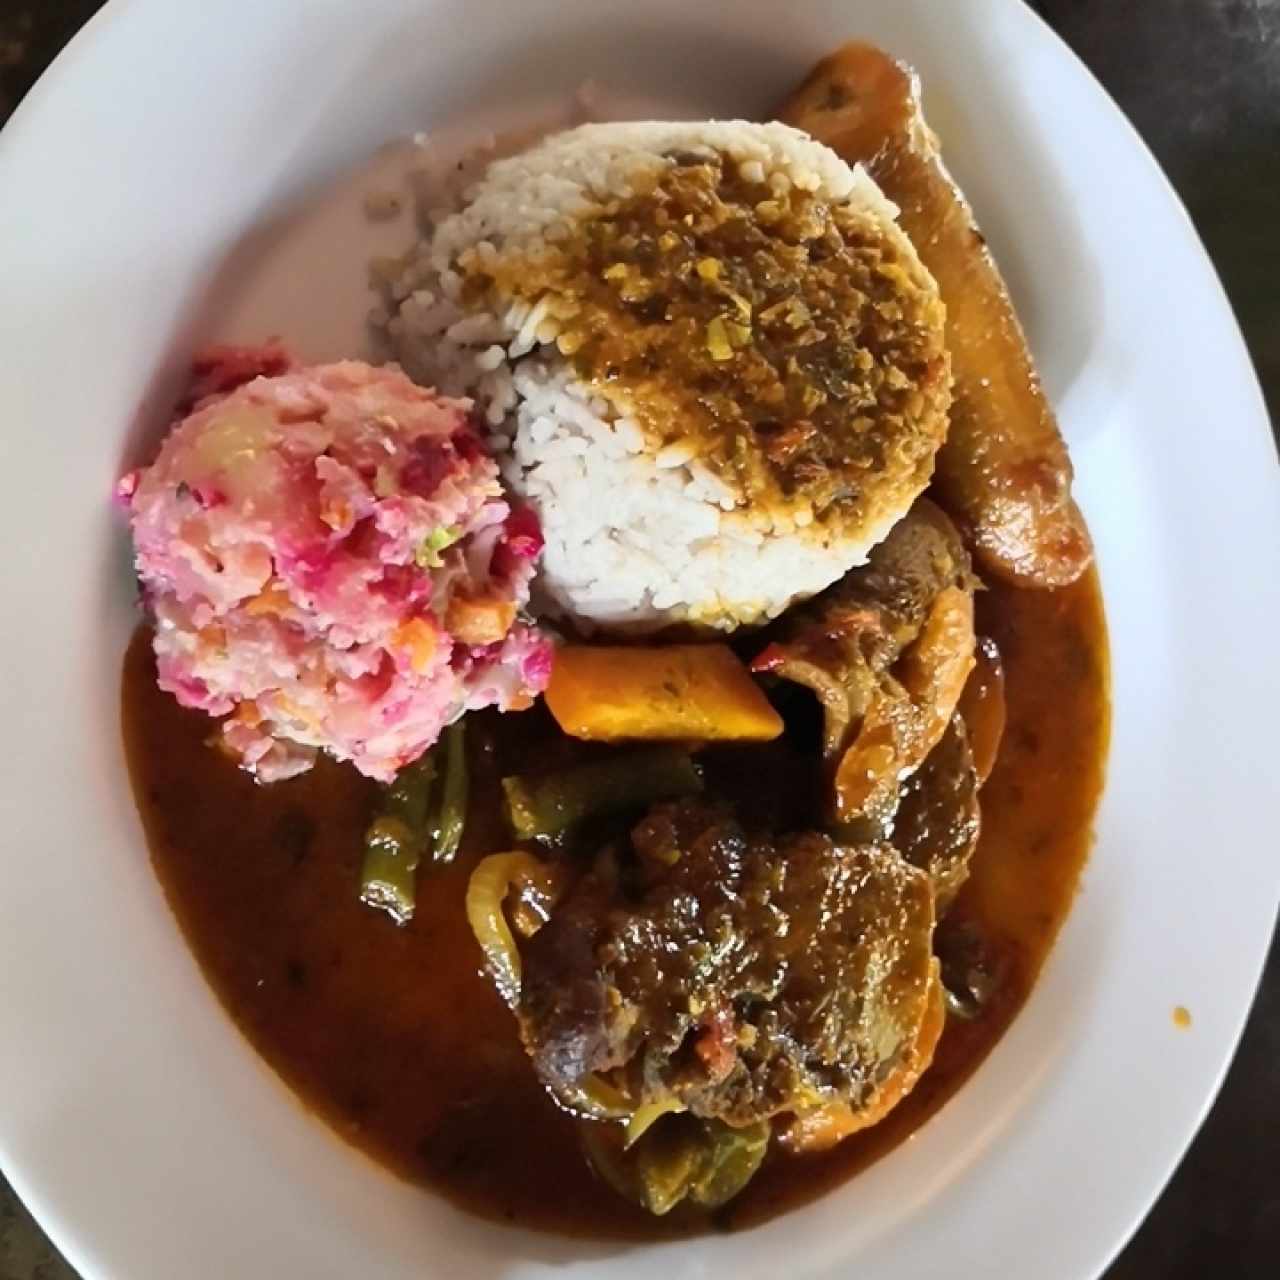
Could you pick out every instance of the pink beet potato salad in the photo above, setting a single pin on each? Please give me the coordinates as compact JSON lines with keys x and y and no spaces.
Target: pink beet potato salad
{"x":330,"y":564}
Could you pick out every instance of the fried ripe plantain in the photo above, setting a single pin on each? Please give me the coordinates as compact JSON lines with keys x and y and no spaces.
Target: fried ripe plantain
{"x":1004,"y":473}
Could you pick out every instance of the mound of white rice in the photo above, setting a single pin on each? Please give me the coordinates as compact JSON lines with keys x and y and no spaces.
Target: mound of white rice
{"x":640,"y":533}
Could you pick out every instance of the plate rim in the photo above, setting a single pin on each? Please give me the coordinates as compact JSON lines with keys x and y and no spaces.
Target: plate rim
{"x":27,"y":116}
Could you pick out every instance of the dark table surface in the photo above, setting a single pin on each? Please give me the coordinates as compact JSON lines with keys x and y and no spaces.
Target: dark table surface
{"x":1201,"y":81}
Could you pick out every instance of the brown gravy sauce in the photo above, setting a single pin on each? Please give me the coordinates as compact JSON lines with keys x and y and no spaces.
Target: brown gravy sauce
{"x":394,"y":1038}
{"x":835,"y":391}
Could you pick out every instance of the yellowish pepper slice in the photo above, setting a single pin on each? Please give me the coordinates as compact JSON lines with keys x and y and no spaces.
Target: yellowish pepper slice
{"x":663,"y":693}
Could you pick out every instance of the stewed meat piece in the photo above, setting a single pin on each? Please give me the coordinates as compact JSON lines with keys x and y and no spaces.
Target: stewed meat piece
{"x":887,"y":651}
{"x":936,"y":826}
{"x":732,"y":975}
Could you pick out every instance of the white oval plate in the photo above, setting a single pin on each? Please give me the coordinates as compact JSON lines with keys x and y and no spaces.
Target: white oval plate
{"x":134,"y":1120}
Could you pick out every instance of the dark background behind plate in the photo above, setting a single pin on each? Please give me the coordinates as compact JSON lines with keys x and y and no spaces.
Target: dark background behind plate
{"x":1201,"y":81}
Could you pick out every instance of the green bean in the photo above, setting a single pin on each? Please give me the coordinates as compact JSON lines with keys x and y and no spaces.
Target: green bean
{"x":409,"y":796}
{"x":547,"y":805}
{"x":453,"y":800}
{"x":396,"y":840}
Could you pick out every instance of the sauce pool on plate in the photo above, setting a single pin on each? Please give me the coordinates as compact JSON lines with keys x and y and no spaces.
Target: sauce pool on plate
{"x":393,"y":1036}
